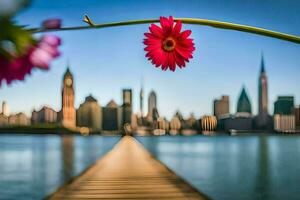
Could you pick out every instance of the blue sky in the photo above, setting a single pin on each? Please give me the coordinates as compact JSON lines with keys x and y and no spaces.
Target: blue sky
{"x":106,"y":60}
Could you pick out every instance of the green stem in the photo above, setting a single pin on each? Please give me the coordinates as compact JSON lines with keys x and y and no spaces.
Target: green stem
{"x":205,"y":22}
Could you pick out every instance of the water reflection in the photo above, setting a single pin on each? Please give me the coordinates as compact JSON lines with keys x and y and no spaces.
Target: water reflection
{"x":33,"y":166}
{"x":67,"y":157}
{"x":229,"y":168}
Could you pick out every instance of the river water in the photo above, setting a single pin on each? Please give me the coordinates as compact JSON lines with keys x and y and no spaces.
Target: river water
{"x":234,"y":167}
{"x":222,"y":167}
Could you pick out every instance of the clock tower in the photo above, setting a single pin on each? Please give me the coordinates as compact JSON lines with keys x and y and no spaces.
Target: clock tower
{"x":68,"y":113}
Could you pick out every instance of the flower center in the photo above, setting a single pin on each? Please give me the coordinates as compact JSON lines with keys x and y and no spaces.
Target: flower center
{"x":169,"y":44}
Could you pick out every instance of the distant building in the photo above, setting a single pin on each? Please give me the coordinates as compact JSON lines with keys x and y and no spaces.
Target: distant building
{"x":284,"y":105}
{"x":111,"y":117}
{"x":163,"y":124}
{"x":152,"y":105}
{"x":208,"y":123}
{"x":244,"y":105}
{"x":89,"y":114}
{"x":127,"y":106}
{"x":238,"y":122}
{"x":284,"y":123}
{"x":142,"y":101}
{"x":68,"y":112}
{"x":297,"y":117}
{"x":221,"y":106}
{"x":45,"y":115}
{"x":263,"y":120}
{"x":19,"y":119}
{"x":5,"y":109}
{"x":3,"y":120}
{"x":175,"y":125}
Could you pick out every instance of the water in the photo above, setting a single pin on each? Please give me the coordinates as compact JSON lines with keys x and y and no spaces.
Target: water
{"x":33,"y":166}
{"x":223,"y":167}
{"x":234,"y":168}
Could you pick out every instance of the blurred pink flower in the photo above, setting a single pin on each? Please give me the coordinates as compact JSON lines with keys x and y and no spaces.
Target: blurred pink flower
{"x":39,"y":56}
{"x":45,"y":51}
{"x":51,"y":23}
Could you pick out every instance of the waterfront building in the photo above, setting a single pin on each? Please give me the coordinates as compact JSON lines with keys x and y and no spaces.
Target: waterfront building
{"x":3,"y":120}
{"x":208,"y":123}
{"x":68,"y":112}
{"x":162,"y":123}
{"x":221,"y":106}
{"x":297,"y":117}
{"x":111,"y":117}
{"x":263,"y":120}
{"x":5,"y":109}
{"x":175,"y":125}
{"x":284,"y":105}
{"x":244,"y":105}
{"x":152,"y":105}
{"x":89,"y":114}
{"x":127,"y":106}
{"x":238,"y":122}
{"x":19,"y":119}
{"x":284,"y":123}
{"x":45,"y":115}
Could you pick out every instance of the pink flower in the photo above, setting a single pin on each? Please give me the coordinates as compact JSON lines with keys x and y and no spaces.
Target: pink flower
{"x":51,"y":24}
{"x":45,"y":51}
{"x":37,"y":56}
{"x":167,"y":46}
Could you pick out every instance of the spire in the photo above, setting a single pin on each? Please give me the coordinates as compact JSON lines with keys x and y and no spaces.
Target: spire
{"x":262,"y":65}
{"x":142,"y":95}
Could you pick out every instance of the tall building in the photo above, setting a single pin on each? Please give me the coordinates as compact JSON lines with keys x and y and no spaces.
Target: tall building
{"x":221,"y":106}
{"x":263,"y":91}
{"x":263,"y":121}
{"x":89,"y":114}
{"x":244,"y":105}
{"x":111,"y":117}
{"x":284,"y":105}
{"x":45,"y":115}
{"x":152,"y":105}
{"x":127,"y":106}
{"x":284,"y":118}
{"x":68,"y":113}
{"x":142,"y":101}
{"x":5,"y":110}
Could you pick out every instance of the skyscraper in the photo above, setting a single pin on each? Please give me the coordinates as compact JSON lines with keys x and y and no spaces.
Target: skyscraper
{"x":263,"y":120}
{"x":263,"y":91}
{"x":244,"y":105}
{"x":142,"y":101}
{"x":221,"y":106}
{"x":5,"y":110}
{"x":68,"y":113}
{"x":127,"y":106}
{"x":152,"y":105}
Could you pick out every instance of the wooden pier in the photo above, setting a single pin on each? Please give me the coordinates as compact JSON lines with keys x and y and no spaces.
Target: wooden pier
{"x":128,"y":171}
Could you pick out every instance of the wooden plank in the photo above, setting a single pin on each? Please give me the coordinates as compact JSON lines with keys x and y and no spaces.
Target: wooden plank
{"x":128,"y":171}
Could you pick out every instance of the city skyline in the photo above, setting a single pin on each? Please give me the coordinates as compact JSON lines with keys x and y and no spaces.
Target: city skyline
{"x":244,"y":102}
{"x":223,"y":61}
